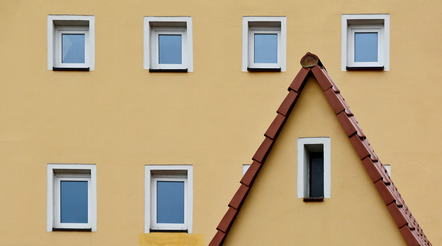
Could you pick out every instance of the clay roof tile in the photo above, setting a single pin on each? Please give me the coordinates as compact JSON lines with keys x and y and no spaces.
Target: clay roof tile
{"x":239,"y":197}
{"x":411,"y":238}
{"x":274,"y":128}
{"x":227,"y":221}
{"x":218,"y":239}
{"x":350,"y":125}
{"x":288,"y":103}
{"x":298,"y":82}
{"x":251,"y":174}
{"x":263,"y":150}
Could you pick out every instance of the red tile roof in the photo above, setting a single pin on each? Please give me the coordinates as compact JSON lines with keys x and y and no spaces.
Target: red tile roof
{"x":312,"y":66}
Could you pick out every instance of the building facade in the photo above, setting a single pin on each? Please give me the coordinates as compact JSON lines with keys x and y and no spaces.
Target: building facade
{"x":132,"y":122}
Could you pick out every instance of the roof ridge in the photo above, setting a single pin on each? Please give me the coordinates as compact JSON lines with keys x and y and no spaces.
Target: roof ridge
{"x":311,"y":65}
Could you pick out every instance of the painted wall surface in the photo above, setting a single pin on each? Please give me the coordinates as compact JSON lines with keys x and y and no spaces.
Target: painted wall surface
{"x":121,"y":117}
{"x":353,"y":215}
{"x":184,"y":239}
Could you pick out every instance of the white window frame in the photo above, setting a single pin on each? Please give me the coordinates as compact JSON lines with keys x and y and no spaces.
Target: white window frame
{"x":166,"y":226}
{"x":266,"y":25}
{"x":302,"y":160}
{"x":155,"y":173}
{"x":263,"y":30}
{"x":59,"y":31}
{"x":352,"y":30}
{"x":379,"y":23}
{"x":155,"y":51}
{"x":78,"y":24}
{"x":388,"y":168}
{"x":71,"y":172}
{"x":245,"y":167}
{"x":154,"y":26}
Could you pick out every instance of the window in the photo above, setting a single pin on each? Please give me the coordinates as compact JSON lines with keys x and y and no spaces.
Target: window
{"x":245,"y":167}
{"x":388,"y":168}
{"x":71,"y":42}
{"x":72,"y":197}
{"x":264,"y":44}
{"x":313,"y":168}
{"x":168,"y":44}
{"x":365,"y":42}
{"x":169,"y":198}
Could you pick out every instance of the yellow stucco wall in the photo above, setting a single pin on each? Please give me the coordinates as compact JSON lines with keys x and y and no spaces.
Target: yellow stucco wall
{"x":121,"y":117}
{"x":353,"y":215}
{"x":165,"y":239}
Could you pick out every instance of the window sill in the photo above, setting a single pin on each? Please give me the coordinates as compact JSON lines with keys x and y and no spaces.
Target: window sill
{"x":380,"y":68}
{"x":254,"y":69}
{"x":156,"y":70}
{"x":70,"y":69}
{"x":313,"y":199}
{"x":71,"y":229}
{"x":160,"y":230}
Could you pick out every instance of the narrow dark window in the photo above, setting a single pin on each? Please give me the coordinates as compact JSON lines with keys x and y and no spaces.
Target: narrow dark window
{"x":316,"y":174}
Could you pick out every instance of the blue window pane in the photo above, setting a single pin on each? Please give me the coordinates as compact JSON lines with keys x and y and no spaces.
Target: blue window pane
{"x":266,"y":48}
{"x":366,"y":47}
{"x":170,"y":202}
{"x":169,"y":49}
{"x":73,"y":202}
{"x":73,"y":48}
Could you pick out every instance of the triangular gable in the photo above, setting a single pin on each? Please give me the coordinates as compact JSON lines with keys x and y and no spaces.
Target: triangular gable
{"x":312,"y":66}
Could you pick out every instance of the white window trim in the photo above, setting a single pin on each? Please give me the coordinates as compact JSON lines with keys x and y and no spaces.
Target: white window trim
{"x":150,"y":205}
{"x":154,"y":51}
{"x":59,"y":31}
{"x":67,"y":177}
{"x":150,"y":43}
{"x":53,"y":201}
{"x":54,"y":41}
{"x":247,"y":40}
{"x":350,"y":42}
{"x":245,"y":167}
{"x":166,"y":226}
{"x":388,"y":168}
{"x":261,"y":30}
{"x":369,"y":23}
{"x":302,"y":176}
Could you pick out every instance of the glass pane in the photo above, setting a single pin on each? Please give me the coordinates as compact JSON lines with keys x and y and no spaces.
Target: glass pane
{"x":170,"y":202}
{"x":316,"y":174}
{"x":73,"y":48}
{"x":266,"y":48}
{"x":169,"y":49}
{"x":366,"y":47}
{"x":73,"y":202}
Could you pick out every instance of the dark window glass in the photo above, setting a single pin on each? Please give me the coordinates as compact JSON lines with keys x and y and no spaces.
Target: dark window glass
{"x":316,"y":174}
